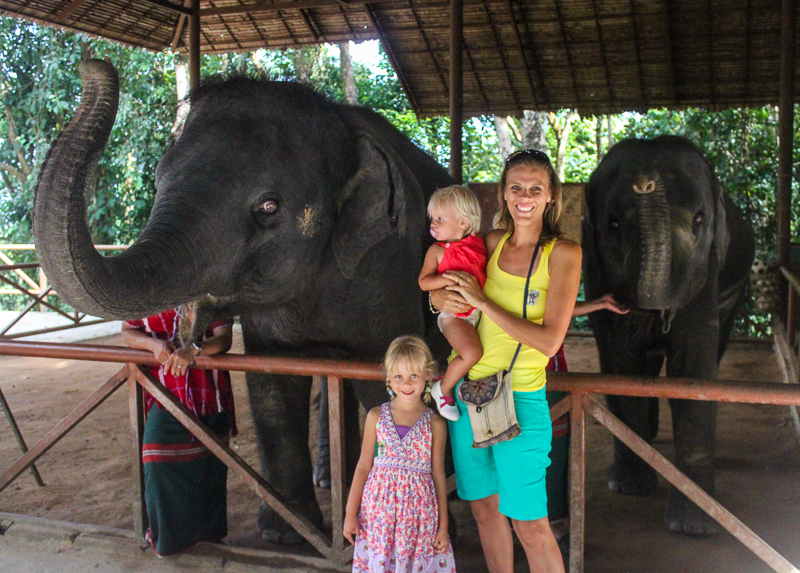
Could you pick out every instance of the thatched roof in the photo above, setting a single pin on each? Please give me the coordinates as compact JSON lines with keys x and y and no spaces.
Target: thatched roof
{"x":596,"y":56}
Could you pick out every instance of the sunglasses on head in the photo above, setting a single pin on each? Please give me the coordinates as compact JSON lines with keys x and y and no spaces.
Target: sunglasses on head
{"x":534,"y":154}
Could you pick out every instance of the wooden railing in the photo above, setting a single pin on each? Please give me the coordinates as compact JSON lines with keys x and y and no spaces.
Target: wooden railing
{"x":335,"y":552}
{"x":37,"y":289}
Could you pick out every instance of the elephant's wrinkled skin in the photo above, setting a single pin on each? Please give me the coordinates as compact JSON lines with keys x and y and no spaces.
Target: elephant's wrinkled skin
{"x":662,"y":238}
{"x":304,"y":217}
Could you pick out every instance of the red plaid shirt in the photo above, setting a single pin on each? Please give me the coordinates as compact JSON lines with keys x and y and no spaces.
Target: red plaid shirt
{"x":558,"y":363}
{"x":203,"y":392}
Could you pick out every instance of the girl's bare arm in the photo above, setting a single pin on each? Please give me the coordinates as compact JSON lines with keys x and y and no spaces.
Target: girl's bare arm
{"x":429,"y":277}
{"x":365,"y":462}
{"x":439,"y":431}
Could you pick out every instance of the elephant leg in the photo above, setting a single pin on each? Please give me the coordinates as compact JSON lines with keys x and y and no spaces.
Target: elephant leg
{"x":352,"y":432}
{"x":280,"y":406}
{"x":322,"y":467}
{"x":694,"y":427}
{"x":629,"y":474}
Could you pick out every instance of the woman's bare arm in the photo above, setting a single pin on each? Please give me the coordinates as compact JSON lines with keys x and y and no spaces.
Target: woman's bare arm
{"x":562,"y":291}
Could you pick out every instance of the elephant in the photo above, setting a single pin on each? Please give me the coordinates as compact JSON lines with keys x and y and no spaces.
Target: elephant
{"x":660,"y":235}
{"x":305,"y":218}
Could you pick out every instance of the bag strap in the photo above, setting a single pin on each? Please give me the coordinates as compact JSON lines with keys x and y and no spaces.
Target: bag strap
{"x":525,"y":302}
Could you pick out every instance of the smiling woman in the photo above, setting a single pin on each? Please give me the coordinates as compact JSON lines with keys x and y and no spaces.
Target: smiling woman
{"x":527,"y":302}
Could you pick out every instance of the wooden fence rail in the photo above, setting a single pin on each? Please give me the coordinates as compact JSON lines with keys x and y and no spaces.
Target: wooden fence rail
{"x":580,"y":402}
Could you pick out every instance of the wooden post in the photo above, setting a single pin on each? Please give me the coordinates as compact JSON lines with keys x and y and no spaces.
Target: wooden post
{"x":338,"y":469}
{"x":786,"y":130}
{"x":194,"y":46}
{"x":577,"y":483}
{"x":136,"y":411}
{"x":456,"y":88}
{"x":42,"y":288}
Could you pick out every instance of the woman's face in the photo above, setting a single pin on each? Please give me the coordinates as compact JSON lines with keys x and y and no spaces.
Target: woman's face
{"x":527,"y":193}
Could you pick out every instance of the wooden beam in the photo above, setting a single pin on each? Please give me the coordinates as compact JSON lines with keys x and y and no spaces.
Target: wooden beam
{"x":194,"y":45}
{"x":179,"y":8}
{"x":456,"y":89}
{"x":69,"y":10}
{"x":786,"y":130}
{"x":277,"y":6}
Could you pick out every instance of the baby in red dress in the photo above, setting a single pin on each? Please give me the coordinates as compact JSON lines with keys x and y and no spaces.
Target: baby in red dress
{"x":455,"y":218}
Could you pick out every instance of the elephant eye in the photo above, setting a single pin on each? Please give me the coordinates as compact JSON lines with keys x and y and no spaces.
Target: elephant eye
{"x":268,"y":206}
{"x":614,"y":224}
{"x":698,"y":219}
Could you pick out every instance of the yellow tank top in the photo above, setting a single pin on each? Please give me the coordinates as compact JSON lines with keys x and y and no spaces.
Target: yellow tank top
{"x":507,"y":290}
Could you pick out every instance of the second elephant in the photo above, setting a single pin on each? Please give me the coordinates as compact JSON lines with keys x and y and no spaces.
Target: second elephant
{"x":660,"y":236}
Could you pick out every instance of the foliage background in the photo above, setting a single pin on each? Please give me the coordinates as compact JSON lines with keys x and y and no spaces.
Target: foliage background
{"x":40,"y":87}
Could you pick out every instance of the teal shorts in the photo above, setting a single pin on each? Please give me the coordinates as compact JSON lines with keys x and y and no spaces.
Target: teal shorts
{"x":514,"y":469}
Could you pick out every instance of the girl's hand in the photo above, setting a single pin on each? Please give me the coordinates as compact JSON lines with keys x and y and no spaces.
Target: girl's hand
{"x":162,"y":349}
{"x":350,"y":529}
{"x":178,"y":362}
{"x":441,"y":542}
{"x":468,"y":287}
{"x":608,"y":302}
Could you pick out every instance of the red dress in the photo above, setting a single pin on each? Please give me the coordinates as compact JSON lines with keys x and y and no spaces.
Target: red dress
{"x":468,"y":255}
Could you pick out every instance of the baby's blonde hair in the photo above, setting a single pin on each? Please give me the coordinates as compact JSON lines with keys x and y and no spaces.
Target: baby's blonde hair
{"x":416,"y":355}
{"x":462,"y":201}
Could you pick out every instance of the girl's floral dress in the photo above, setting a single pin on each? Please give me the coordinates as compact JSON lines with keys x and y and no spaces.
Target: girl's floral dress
{"x":399,"y":514}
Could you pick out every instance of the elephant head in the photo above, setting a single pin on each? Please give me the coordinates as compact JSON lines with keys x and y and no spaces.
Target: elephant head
{"x":654,"y":223}
{"x":266,"y":187}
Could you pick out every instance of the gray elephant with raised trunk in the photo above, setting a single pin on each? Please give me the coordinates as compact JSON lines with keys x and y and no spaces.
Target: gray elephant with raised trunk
{"x":303,"y":217}
{"x":660,"y":235}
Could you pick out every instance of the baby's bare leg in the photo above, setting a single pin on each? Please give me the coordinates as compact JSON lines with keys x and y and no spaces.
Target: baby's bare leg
{"x":463,"y":337}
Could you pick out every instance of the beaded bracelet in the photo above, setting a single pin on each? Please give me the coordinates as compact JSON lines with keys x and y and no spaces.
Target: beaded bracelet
{"x":430,"y":305}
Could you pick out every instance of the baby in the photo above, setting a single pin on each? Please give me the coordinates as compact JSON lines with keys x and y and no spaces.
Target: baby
{"x":455,"y":218}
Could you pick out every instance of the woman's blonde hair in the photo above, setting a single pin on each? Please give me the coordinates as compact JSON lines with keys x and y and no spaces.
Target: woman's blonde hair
{"x":552,"y":211}
{"x":418,"y":359}
{"x":462,"y":201}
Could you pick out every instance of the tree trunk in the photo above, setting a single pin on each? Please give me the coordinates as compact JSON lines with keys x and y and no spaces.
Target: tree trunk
{"x":503,"y":136}
{"x":348,"y":81}
{"x":182,"y":90}
{"x":562,"y":138}
{"x":598,"y":137}
{"x":304,"y":62}
{"x":534,"y":130}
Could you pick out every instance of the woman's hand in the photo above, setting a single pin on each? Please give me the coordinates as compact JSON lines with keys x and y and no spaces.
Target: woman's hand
{"x":178,"y":362}
{"x":441,"y":541}
{"x":468,"y":287}
{"x":350,"y":529}
{"x":448,"y":301}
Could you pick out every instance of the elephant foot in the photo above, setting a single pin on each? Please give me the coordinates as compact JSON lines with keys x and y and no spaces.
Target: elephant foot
{"x":322,"y":473}
{"x":274,"y":528}
{"x":639,"y":479}
{"x":684,"y":516}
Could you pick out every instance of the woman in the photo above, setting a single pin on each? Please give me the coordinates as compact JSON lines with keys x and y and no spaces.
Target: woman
{"x":185,"y":484}
{"x":508,"y":479}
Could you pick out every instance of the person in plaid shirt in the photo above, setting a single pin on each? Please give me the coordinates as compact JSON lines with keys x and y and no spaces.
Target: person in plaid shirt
{"x":185,"y":484}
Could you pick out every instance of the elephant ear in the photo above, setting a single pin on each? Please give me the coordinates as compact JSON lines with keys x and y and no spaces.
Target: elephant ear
{"x":372,"y":205}
{"x":722,"y":237}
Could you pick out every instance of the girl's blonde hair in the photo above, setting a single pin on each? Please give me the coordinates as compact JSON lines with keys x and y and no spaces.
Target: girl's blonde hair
{"x":552,"y":211}
{"x":462,"y":201}
{"x":418,"y":359}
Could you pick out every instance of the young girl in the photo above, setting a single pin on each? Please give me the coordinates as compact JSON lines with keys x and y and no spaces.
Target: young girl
{"x":399,"y":484}
{"x":455,"y":218}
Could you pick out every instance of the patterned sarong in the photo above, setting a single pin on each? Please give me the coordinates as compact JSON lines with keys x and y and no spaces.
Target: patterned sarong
{"x":185,"y":484}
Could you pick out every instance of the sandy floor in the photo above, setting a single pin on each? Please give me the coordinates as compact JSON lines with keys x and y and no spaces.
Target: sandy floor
{"x":89,"y":480}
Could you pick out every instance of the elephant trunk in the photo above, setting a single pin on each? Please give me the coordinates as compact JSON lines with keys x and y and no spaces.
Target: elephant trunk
{"x":131,"y":285}
{"x":656,"y":244}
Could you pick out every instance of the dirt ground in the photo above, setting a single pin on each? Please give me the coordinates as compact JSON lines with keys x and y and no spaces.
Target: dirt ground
{"x":88,"y":476}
